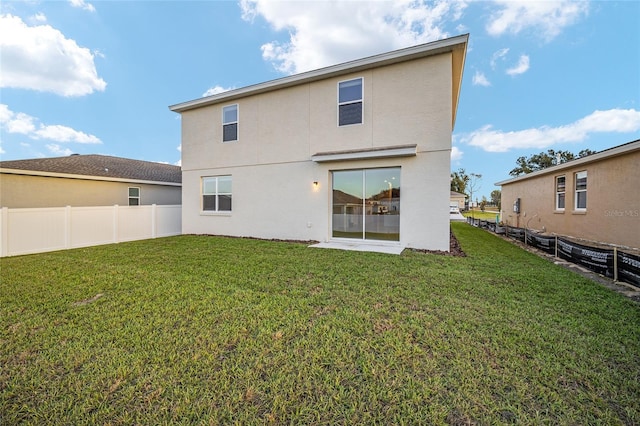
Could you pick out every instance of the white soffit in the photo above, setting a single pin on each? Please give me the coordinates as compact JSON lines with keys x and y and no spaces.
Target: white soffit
{"x":390,"y":152}
{"x":85,"y":177}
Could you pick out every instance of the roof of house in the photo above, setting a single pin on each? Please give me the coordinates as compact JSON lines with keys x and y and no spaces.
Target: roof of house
{"x":100,"y":167}
{"x":457,"y":194}
{"x":341,"y":197}
{"x":598,"y":156}
{"x":455,"y":45}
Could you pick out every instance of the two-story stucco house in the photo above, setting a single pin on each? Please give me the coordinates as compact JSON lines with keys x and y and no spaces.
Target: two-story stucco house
{"x":355,"y":152}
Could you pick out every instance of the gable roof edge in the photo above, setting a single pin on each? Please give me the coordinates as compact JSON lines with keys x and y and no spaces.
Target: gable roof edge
{"x":607,"y":153}
{"x":388,"y":58}
{"x":9,"y":171}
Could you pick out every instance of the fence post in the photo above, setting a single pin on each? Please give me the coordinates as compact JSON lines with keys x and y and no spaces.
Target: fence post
{"x":115,"y":223}
{"x":556,"y":255}
{"x":153,"y":220}
{"x":615,"y":263}
{"x":67,"y":227}
{"x":4,"y":223}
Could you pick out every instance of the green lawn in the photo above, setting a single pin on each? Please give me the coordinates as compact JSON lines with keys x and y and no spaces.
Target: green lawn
{"x":479,"y":214}
{"x":210,"y":330}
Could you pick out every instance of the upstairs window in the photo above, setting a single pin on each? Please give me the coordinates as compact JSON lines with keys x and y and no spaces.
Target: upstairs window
{"x":230,"y":123}
{"x":581,"y":191}
{"x":560,"y":192}
{"x":134,"y":196}
{"x":350,"y":102}
{"x":216,"y":194}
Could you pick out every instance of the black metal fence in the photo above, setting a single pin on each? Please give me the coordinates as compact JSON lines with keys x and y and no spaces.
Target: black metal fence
{"x":613,"y":263}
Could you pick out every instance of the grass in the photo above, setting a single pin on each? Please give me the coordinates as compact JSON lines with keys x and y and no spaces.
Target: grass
{"x":483,"y":215}
{"x":380,"y":236}
{"x":210,"y":330}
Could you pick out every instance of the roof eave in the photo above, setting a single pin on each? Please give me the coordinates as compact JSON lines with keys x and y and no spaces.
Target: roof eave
{"x":608,"y":153}
{"x":396,"y":56}
{"x":85,"y":177}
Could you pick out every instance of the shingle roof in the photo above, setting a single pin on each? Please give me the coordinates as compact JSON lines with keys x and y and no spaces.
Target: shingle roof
{"x":340,"y":197}
{"x":623,"y":149}
{"x":103,"y":166}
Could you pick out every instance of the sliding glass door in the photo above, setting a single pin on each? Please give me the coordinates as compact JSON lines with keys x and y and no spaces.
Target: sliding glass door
{"x":366,"y":204}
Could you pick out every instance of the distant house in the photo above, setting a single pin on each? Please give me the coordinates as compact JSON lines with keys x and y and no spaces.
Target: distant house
{"x":596,"y":198}
{"x":456,"y":198}
{"x":355,"y":152}
{"x":88,"y":180}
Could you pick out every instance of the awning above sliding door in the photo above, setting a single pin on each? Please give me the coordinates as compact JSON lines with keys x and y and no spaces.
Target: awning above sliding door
{"x":365,"y":154}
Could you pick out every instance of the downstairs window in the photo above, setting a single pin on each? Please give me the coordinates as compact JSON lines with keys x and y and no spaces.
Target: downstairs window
{"x":216,"y":194}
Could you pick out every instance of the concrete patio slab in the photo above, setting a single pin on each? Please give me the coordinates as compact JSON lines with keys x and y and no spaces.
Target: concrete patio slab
{"x":361,"y":246}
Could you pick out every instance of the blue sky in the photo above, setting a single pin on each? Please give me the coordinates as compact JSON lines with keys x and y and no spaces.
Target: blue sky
{"x":98,"y":77}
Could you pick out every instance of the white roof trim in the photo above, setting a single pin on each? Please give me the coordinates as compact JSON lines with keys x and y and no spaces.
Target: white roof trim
{"x":84,"y":177}
{"x":391,"y":152}
{"x":607,"y":153}
{"x":396,"y":56}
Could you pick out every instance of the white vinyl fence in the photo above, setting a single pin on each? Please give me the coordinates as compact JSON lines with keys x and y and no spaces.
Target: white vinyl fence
{"x":36,"y":230}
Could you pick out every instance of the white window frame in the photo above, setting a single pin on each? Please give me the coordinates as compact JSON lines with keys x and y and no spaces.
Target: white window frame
{"x":215,"y":193}
{"x":236,"y":122}
{"x":130,"y":197}
{"x":564,"y":193}
{"x":361,"y":101}
{"x":579,"y":175}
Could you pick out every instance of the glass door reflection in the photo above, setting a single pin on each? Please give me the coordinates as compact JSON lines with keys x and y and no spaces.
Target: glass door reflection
{"x":382,"y":204}
{"x":366,"y":204}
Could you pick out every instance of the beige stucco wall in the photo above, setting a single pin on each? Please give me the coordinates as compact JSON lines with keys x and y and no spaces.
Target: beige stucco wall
{"x":273,"y":197}
{"x":458,"y":199}
{"x":613,"y":202}
{"x":24,"y":191}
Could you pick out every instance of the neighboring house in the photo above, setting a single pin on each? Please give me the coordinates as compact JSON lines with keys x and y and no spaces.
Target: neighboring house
{"x":457,"y":199}
{"x":87,"y":180}
{"x":596,"y":198}
{"x":353,"y":152}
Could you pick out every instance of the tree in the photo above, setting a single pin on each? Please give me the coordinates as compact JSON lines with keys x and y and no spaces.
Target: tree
{"x":462,"y":182}
{"x":459,"y":181}
{"x":473,"y":185}
{"x":543,"y":160}
{"x":496,"y":196}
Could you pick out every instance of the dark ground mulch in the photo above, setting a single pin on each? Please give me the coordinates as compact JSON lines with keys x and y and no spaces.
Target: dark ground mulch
{"x":454,"y":248}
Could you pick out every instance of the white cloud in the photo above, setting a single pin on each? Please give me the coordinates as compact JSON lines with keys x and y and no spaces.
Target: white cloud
{"x":326,"y":33}
{"x":83,"y":5}
{"x":456,"y":153}
{"x":498,"y":55}
{"x":521,"y":67}
{"x":41,"y":58}
{"x":27,"y":125}
{"x":610,"y":121}
{"x":216,"y":89}
{"x":64,"y":134}
{"x":546,"y":18}
{"x":58,"y":150}
{"x":16,"y":122}
{"x":39,"y":17}
{"x":479,"y":79}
